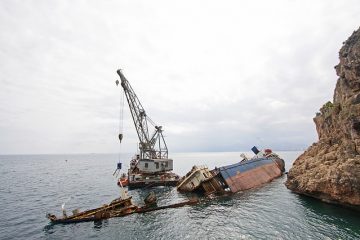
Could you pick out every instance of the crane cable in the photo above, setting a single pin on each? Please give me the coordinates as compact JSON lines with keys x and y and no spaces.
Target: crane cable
{"x":121,"y":118}
{"x":121,"y":127}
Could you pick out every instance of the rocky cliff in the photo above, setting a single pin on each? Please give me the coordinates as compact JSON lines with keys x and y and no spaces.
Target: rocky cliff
{"x":330,"y":169}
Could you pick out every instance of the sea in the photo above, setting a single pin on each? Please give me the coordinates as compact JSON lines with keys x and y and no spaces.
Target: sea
{"x":34,"y":185}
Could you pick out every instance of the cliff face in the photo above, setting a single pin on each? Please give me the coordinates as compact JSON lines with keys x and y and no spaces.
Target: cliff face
{"x":330,"y":169}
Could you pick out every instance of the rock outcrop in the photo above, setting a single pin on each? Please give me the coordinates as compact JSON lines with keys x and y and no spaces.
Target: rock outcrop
{"x":330,"y":169}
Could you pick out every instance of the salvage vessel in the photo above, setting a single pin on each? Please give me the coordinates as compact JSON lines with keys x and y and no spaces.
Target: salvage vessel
{"x":246,"y":174}
{"x":152,"y":165}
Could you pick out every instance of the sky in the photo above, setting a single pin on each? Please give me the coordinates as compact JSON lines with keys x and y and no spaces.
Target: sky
{"x":217,"y":75}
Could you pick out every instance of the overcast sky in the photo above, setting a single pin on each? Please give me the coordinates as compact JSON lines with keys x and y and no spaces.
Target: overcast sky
{"x":217,"y":75}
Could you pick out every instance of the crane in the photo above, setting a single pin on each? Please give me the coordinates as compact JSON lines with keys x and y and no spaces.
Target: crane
{"x":151,"y":146}
{"x":151,"y":167}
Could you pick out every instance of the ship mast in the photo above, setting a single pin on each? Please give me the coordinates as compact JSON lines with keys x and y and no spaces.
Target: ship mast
{"x":151,"y":146}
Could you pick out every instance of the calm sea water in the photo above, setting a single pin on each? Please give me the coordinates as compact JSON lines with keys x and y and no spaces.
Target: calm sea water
{"x":32,"y":185}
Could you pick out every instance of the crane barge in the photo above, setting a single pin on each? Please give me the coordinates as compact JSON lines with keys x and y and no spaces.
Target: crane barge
{"x":152,"y":165}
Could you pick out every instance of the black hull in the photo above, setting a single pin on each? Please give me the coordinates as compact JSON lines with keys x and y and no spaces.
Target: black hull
{"x":143,"y":184}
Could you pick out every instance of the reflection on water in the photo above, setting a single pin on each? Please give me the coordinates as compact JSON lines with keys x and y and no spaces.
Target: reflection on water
{"x":99,"y":224}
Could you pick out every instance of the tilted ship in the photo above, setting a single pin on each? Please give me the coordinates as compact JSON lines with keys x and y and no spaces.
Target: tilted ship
{"x":246,"y":174}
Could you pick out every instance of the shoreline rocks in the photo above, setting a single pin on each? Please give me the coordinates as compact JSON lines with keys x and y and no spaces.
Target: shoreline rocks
{"x":330,"y":169}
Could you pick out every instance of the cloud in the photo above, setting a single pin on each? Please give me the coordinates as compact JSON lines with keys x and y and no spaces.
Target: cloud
{"x":217,"y":76}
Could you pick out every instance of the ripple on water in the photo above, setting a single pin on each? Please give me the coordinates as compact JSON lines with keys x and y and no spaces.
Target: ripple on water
{"x":34,"y":185}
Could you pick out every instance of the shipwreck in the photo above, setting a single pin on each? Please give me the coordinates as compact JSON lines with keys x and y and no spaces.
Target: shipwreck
{"x":120,"y":207}
{"x":246,"y":174}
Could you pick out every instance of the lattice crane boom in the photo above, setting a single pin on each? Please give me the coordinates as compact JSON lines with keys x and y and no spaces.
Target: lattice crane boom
{"x":151,"y":146}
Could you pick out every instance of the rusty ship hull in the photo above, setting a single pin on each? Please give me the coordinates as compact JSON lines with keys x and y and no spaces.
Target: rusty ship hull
{"x":244,"y":175}
{"x":252,"y":173}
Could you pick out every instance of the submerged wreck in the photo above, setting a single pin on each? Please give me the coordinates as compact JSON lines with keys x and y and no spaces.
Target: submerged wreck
{"x":246,"y":174}
{"x":119,"y":207}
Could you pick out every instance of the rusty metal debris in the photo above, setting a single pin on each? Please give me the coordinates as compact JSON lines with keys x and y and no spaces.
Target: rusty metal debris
{"x":117,"y":208}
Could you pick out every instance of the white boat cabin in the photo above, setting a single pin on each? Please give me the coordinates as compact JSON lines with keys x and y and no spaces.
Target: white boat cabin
{"x":154,"y":165}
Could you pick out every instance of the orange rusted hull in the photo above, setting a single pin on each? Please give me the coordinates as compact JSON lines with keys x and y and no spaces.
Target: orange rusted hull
{"x":250,"y":174}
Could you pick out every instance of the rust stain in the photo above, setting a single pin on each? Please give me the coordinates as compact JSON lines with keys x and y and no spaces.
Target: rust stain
{"x":253,"y":178}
